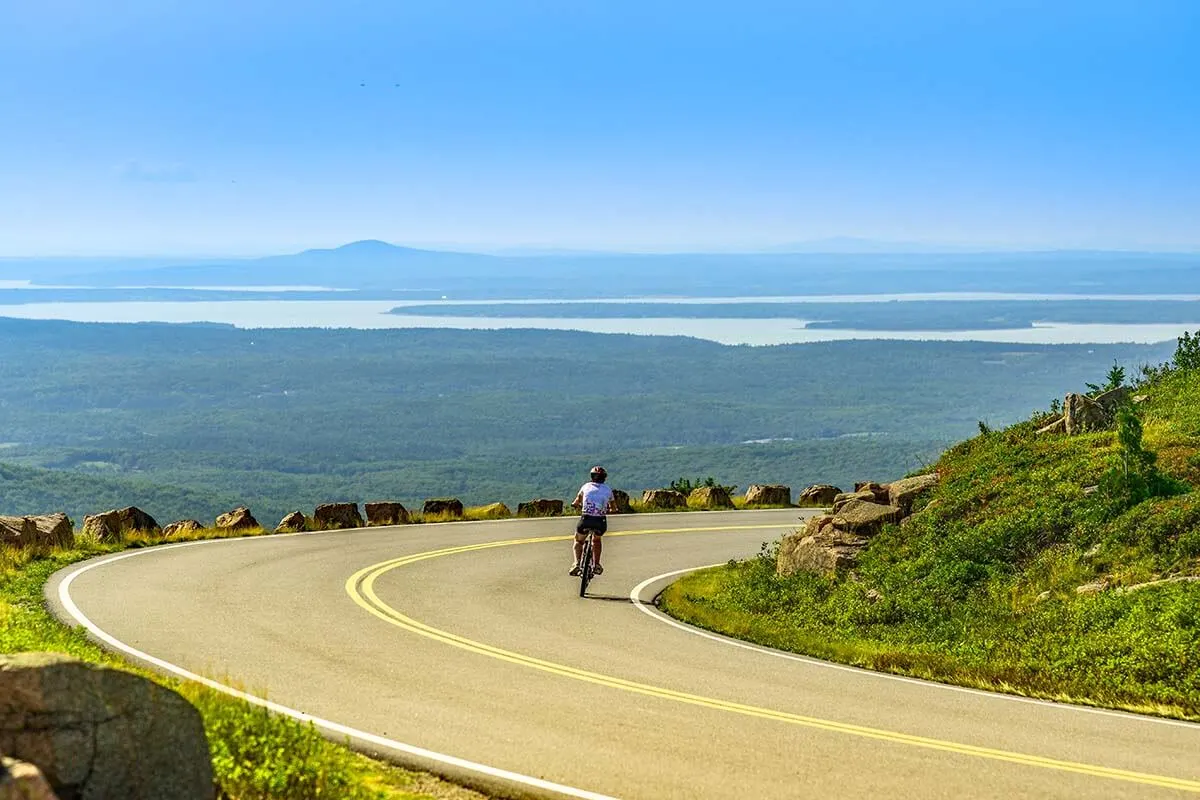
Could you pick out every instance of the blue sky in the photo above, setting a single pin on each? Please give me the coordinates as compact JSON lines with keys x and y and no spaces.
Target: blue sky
{"x":156,"y":126}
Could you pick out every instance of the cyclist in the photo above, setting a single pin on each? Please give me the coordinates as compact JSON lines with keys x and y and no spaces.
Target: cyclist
{"x":594,"y":502}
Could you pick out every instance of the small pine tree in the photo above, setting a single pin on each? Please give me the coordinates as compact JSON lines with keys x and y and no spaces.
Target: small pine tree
{"x":1135,"y":476}
{"x":1115,"y":379}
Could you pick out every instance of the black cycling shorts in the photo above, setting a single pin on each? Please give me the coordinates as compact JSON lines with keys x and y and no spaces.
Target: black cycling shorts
{"x":598,"y":525}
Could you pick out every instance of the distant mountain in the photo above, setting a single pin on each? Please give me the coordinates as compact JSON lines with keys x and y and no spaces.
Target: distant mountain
{"x":375,"y":265}
{"x":368,"y":264}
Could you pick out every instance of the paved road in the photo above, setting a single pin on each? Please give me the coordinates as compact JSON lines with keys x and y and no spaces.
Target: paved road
{"x":464,"y":647}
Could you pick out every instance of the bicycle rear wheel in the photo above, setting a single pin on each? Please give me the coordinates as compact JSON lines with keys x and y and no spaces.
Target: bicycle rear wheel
{"x":585,"y":566}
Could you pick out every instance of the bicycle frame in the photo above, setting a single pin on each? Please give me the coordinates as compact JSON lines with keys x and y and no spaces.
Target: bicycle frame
{"x":585,"y":564}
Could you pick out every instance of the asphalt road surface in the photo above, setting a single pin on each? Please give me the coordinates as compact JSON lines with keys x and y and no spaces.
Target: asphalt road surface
{"x":465,"y":648}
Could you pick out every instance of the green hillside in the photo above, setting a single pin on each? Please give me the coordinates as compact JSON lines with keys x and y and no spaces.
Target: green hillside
{"x":1016,"y":571}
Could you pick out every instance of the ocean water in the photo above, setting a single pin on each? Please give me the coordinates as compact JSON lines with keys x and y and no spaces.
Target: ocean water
{"x":372,"y":314}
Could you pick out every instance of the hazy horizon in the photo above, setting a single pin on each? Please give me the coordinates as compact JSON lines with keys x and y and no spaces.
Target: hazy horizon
{"x":838,"y":245}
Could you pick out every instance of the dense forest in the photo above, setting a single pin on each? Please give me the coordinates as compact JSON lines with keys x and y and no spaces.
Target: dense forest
{"x":190,"y":418}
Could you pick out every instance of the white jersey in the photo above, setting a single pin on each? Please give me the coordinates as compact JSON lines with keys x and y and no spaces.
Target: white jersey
{"x":596,"y":497}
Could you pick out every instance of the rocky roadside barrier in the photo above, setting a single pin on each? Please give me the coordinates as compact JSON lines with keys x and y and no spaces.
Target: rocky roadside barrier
{"x":337,"y":516}
{"x":710,"y":497}
{"x":292,"y":523}
{"x":661,"y":499}
{"x":541,"y":507}
{"x":758,"y":494}
{"x":57,"y":529}
{"x":47,"y":530}
{"x":386,"y":513}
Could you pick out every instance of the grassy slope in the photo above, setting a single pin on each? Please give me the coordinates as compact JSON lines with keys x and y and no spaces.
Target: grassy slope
{"x":256,"y":756}
{"x":979,"y":587}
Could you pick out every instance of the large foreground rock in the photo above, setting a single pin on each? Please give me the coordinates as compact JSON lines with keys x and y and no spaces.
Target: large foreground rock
{"x":240,"y":519}
{"x":877,"y":490}
{"x":386,"y":513}
{"x":20,"y":780}
{"x":865,"y":518}
{"x":710,"y":497}
{"x":292,"y":523}
{"x":904,"y":492}
{"x":541,"y":507}
{"x":96,"y":732}
{"x":184,"y":527}
{"x":768,"y":495}
{"x":663,"y":498}
{"x":820,"y":495}
{"x":820,"y":548}
{"x":846,"y":497}
{"x":442,"y":507}
{"x":621,"y":501}
{"x":337,"y":516}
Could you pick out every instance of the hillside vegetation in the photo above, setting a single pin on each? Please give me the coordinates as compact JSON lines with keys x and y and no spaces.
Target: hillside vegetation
{"x":1025,"y":570}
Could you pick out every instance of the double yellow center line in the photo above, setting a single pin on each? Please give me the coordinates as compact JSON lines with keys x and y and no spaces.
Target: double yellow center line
{"x":361,"y":588}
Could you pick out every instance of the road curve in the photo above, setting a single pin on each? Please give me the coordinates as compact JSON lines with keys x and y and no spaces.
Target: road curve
{"x":464,"y":648}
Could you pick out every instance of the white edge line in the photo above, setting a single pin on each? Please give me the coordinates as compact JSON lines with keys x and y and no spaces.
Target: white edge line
{"x":655,"y":614}
{"x":64,"y":596}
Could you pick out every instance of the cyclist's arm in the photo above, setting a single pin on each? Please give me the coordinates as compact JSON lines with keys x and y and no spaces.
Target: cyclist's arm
{"x":578,"y":501}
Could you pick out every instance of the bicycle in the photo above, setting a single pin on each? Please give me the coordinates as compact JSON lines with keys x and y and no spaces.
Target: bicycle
{"x":585,"y":563}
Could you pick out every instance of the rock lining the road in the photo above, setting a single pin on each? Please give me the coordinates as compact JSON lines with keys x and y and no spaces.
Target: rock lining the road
{"x":833,"y":542}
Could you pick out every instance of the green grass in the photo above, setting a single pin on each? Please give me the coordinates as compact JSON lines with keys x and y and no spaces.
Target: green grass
{"x":978,"y":587}
{"x":256,"y":755}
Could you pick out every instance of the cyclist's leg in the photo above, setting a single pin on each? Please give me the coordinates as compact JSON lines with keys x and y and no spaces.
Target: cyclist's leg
{"x":598,"y":542}
{"x":580,"y":535}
